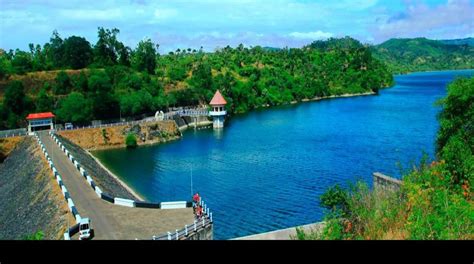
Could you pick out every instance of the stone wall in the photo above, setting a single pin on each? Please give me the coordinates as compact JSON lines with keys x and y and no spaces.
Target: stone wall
{"x":114,"y":136}
{"x":384,"y":182}
{"x":206,"y":233}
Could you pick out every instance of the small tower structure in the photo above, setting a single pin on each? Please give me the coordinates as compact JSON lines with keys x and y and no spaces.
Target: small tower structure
{"x":218,"y":111}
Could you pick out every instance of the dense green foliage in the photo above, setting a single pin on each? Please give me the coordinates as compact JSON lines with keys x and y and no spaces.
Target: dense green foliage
{"x":435,"y":200}
{"x":421,"y":54}
{"x":121,"y":82}
{"x":131,"y":141}
{"x":39,"y":235}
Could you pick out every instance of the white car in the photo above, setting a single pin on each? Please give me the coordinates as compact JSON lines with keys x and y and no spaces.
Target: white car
{"x":85,"y":229}
{"x":68,"y":126}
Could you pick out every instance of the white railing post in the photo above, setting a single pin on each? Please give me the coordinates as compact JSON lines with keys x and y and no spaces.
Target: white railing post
{"x":169,"y":236}
{"x":203,"y":222}
{"x":210,"y":217}
{"x":208,"y":211}
{"x":153,"y":237}
{"x":186,"y":230}
{"x":195,"y":226}
{"x":177,"y":234}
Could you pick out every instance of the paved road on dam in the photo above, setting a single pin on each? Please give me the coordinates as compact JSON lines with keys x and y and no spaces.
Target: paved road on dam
{"x":111,"y":221}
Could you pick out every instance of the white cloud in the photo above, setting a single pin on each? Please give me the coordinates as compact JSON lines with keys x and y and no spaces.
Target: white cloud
{"x":451,"y":19}
{"x":165,"y":13}
{"x":91,"y":14}
{"x":311,"y":35}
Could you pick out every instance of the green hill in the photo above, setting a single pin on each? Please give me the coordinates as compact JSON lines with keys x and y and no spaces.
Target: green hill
{"x":421,"y":54}
{"x":465,"y":41}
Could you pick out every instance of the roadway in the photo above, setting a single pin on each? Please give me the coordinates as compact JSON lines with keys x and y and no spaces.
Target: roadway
{"x":110,"y":221}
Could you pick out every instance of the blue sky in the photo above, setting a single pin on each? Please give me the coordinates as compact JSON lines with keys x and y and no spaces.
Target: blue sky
{"x":217,"y":23}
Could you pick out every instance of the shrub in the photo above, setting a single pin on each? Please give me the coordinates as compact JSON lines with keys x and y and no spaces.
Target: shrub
{"x":131,"y":141}
{"x":36,"y":236}
{"x":336,"y":199}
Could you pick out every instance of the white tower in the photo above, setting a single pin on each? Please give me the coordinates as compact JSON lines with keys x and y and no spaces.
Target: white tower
{"x":218,"y":111}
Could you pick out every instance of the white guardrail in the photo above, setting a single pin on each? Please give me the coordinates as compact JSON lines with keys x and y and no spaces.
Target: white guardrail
{"x":64,"y":191}
{"x":205,"y":220}
{"x":184,"y":233}
{"x":109,"y":198}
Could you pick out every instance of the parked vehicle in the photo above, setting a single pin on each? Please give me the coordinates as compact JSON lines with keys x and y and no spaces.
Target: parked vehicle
{"x":85,"y":229}
{"x":68,"y":126}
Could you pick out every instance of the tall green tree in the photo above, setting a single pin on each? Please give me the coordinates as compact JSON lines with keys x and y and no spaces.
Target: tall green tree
{"x":144,"y":57}
{"x":44,"y":103}
{"x":75,"y":108}
{"x":77,"y":52}
{"x":22,"y":62}
{"x":54,"y":51}
{"x":107,"y":47}
{"x":63,"y":83}
{"x":104,"y":104}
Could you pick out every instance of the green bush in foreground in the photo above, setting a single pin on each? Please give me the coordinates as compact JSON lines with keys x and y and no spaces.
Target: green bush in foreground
{"x":36,"y":236}
{"x":131,"y":141}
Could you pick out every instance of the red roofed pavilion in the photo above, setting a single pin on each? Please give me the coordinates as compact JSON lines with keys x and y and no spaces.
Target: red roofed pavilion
{"x":40,"y":116}
{"x":218,"y":110}
{"x":218,"y":99}
{"x":38,"y":121}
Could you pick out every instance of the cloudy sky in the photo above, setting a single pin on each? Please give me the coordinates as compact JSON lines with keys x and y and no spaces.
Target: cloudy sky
{"x":217,"y":23}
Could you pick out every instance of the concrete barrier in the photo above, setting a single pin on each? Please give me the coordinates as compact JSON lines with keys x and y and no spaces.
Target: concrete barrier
{"x":124,"y":202}
{"x":98,"y":191}
{"x":89,"y":180}
{"x":64,"y":190}
{"x":173,"y":205}
{"x":59,"y":180}
{"x":70,"y":203}
{"x":78,"y":218}
{"x":107,"y":197}
{"x":147,"y":205}
{"x":82,"y":171}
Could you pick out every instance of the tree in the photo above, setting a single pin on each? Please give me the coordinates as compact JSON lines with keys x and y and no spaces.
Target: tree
{"x":77,"y":52}
{"x":22,"y":62}
{"x":44,"y":103}
{"x":80,"y":82}
{"x":107,"y":47}
{"x":131,"y":141}
{"x":54,"y":51}
{"x":5,"y":65}
{"x":16,"y":100}
{"x":144,"y":57}
{"x":104,"y":105}
{"x":124,"y":55}
{"x":63,"y":83}
{"x":75,"y":108}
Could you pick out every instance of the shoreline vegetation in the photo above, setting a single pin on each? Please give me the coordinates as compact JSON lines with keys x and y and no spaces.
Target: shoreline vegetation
{"x":435,"y":201}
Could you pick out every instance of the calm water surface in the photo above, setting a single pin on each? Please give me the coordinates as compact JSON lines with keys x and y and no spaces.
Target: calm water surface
{"x":266,"y":169}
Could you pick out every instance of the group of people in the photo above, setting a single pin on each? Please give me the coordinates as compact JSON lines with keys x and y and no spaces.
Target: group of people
{"x":197,"y":207}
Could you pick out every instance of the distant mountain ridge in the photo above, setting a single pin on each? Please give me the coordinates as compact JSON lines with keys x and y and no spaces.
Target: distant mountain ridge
{"x":464,"y":41}
{"x":422,"y":54}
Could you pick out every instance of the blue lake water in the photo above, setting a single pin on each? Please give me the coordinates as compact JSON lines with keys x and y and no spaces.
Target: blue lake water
{"x":266,"y":169}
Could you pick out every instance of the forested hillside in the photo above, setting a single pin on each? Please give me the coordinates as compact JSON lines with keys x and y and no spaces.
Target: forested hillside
{"x":108,"y":80}
{"x":421,"y":54}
